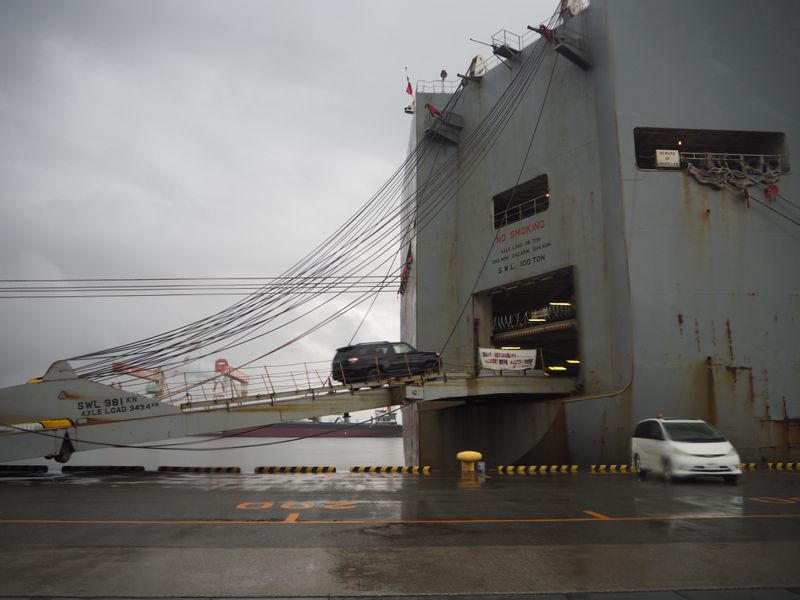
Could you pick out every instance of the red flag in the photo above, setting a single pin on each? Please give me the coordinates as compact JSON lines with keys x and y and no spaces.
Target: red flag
{"x":409,"y":89}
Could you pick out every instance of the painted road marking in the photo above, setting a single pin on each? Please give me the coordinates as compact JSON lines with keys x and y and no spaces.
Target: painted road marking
{"x":339,"y":505}
{"x":298,"y":505}
{"x":597,"y":515}
{"x":294,"y":505}
{"x":255,"y":505}
{"x":294,"y":520}
{"x":767,"y":500}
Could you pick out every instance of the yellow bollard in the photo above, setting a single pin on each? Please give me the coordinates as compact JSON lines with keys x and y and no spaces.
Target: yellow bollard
{"x":468,"y":459}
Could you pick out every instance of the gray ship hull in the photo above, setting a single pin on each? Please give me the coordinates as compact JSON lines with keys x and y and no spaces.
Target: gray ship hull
{"x":686,"y":295}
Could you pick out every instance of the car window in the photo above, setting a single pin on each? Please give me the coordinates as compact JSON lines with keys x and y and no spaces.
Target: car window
{"x":641,"y":430}
{"x":402,"y":348}
{"x":693,"y":432}
{"x":655,"y":431}
{"x":362,"y":350}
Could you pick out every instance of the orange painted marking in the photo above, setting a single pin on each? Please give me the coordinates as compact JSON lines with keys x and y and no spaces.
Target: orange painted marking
{"x":521,"y":520}
{"x":597,"y":515}
{"x":764,"y":500}
{"x":255,"y":505}
{"x":292,"y":518}
{"x":298,"y":505}
{"x":339,"y":505}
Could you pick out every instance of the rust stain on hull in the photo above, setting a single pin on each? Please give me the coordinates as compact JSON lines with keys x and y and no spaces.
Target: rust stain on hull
{"x":783,"y":438}
{"x":65,"y":395}
{"x":730,"y":339}
{"x":711,"y":393}
{"x":735,"y":399}
{"x":697,"y":334}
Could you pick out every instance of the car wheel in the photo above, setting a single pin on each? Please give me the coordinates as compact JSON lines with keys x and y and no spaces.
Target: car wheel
{"x":374,"y":378}
{"x":637,"y":465}
{"x":666,"y":469}
{"x":730,"y":479}
{"x":431,"y":368}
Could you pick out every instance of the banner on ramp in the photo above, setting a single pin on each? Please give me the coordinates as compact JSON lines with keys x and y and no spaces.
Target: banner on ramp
{"x":507,"y":360}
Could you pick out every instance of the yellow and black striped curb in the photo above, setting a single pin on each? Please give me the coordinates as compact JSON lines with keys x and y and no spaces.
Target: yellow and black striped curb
{"x":612,"y":469}
{"x":424,"y":470}
{"x":783,"y":466}
{"x":295,"y":469}
{"x":200,"y":469}
{"x":102,"y":469}
{"x":621,"y":468}
{"x":531,"y":469}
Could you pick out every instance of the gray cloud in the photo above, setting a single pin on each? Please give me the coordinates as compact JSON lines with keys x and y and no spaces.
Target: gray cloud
{"x":198,"y":138}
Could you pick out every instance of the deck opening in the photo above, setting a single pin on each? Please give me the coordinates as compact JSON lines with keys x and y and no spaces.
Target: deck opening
{"x":534,"y":314}
{"x":521,"y":201}
{"x":762,"y":151}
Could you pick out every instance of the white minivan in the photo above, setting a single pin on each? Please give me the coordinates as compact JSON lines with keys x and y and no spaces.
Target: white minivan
{"x":683,"y":448}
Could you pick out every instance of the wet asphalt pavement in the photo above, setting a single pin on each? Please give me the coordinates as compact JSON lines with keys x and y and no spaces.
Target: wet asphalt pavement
{"x":220,"y":535}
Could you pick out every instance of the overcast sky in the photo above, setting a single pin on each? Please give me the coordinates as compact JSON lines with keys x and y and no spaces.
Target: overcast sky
{"x":201,"y":139}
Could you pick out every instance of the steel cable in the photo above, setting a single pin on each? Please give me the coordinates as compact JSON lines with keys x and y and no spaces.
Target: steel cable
{"x":359,"y":235}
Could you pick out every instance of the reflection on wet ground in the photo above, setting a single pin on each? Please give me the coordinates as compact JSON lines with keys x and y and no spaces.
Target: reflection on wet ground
{"x":347,"y":533}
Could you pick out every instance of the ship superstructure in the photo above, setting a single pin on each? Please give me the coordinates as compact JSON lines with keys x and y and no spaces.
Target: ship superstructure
{"x":636,"y":222}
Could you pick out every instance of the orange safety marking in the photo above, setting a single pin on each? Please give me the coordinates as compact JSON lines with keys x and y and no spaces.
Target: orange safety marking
{"x":521,"y":520}
{"x":597,"y":515}
{"x":255,"y":505}
{"x":297,"y":505}
{"x":339,"y":505}
{"x":290,"y":505}
{"x":767,"y":500}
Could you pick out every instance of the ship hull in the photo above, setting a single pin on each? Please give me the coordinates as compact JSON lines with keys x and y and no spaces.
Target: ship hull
{"x":337,"y":430}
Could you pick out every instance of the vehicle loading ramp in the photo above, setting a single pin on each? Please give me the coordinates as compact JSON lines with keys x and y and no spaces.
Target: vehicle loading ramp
{"x":64,"y":413}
